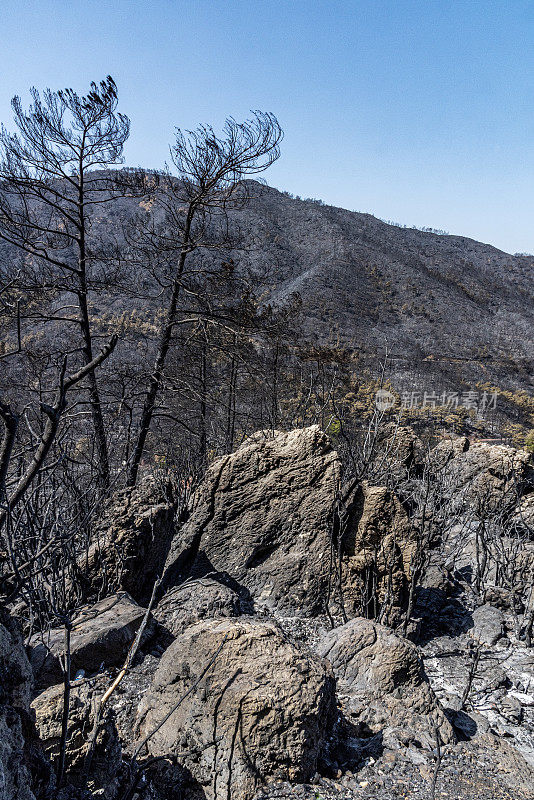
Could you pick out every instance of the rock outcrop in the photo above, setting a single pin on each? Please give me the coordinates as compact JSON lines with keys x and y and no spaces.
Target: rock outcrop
{"x":522,"y":520}
{"x":268,"y":516}
{"x":488,"y":625}
{"x":233,"y":692}
{"x":381,"y":681}
{"x":264,"y":515}
{"x":24,"y":772}
{"x":377,"y":548}
{"x":101,"y":635}
{"x":131,"y":542}
{"x":402,"y":449}
{"x":488,"y":478}
{"x":447,"y":449}
{"x":248,"y":706}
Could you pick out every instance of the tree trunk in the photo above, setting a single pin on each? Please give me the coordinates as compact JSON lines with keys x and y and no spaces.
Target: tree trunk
{"x":11,"y":422}
{"x":87,"y":348}
{"x":66,"y":706}
{"x":203,"y":448}
{"x":94,"y":396}
{"x":159,"y":363}
{"x":230,"y":417}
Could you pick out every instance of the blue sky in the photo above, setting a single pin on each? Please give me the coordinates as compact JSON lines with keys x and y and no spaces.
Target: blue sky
{"x":419,"y":111}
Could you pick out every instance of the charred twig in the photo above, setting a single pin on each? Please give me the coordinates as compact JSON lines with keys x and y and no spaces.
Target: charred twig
{"x":53,"y":414}
{"x":438,"y":761}
{"x":109,"y":691}
{"x":475,"y":658}
{"x":133,"y":782}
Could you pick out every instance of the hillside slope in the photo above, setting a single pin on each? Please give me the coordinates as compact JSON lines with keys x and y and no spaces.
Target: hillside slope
{"x":371,"y":285}
{"x":446,"y":308}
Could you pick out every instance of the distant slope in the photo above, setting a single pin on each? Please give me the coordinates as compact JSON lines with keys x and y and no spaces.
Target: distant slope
{"x":372,"y":284}
{"x":445,"y":306}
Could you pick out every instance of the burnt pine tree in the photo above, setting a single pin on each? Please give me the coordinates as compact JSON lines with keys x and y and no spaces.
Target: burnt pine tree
{"x":210,"y":176}
{"x":52,"y":179}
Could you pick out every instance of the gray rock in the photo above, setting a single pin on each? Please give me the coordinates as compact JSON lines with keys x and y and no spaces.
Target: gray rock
{"x":499,"y":597}
{"x":15,"y":670}
{"x":465,"y":723}
{"x":263,"y":515}
{"x":489,"y":477}
{"x":201,"y":598}
{"x":447,"y":449}
{"x":107,"y":754}
{"x":15,"y":777}
{"x":482,"y":724}
{"x":377,"y":540}
{"x":511,"y":708}
{"x":101,"y":635}
{"x":381,"y":680}
{"x":260,"y":710}
{"x":403,"y":449}
{"x":488,"y":625}
{"x":24,"y":772}
{"x":523,"y":517}
{"x":131,"y":541}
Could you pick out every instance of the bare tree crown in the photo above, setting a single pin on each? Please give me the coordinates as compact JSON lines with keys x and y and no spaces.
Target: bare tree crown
{"x":51,"y":169}
{"x":212,"y":167}
{"x":63,"y":131}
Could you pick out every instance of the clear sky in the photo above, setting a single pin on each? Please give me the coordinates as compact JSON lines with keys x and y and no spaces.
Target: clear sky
{"x":419,"y":111}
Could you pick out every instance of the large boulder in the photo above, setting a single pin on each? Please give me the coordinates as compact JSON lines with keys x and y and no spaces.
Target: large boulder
{"x":106,"y":758}
{"x":245,"y":706}
{"x":101,"y":635}
{"x":382,"y":684}
{"x":270,"y":516}
{"x":16,"y":678}
{"x":24,"y":772}
{"x":201,"y":598}
{"x":130,"y":543}
{"x":15,"y":777}
{"x":264,"y":515}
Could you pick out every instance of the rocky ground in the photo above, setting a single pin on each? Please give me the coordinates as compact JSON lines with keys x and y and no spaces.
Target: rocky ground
{"x":256,"y":675}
